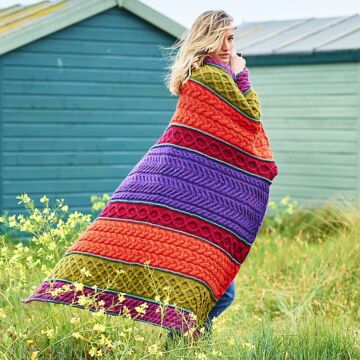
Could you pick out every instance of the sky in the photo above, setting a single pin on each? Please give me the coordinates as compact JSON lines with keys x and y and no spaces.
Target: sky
{"x":186,"y":11}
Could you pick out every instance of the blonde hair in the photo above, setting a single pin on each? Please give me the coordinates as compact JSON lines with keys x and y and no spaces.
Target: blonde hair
{"x":205,"y":35}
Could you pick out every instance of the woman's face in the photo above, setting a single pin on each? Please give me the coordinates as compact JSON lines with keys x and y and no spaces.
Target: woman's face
{"x":226,"y":49}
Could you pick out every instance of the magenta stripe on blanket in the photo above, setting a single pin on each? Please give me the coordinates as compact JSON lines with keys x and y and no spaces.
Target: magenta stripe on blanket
{"x":168,"y":317}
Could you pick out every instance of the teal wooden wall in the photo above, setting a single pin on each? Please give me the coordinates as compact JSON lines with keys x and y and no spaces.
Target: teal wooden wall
{"x":312,"y":115}
{"x":80,"y":107}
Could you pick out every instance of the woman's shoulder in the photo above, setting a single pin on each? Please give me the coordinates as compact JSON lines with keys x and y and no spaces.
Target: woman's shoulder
{"x":211,"y":65}
{"x":219,"y":64}
{"x":213,"y":75}
{"x":219,"y":81}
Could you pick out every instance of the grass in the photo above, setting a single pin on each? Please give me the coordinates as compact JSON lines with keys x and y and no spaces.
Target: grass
{"x":297,"y":295}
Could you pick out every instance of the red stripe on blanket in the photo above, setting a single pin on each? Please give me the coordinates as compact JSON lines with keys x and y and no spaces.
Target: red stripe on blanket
{"x":177,"y":220}
{"x":192,"y":139}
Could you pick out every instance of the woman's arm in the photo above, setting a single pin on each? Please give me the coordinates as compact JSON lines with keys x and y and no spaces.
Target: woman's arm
{"x":220,"y":81}
{"x":243,"y":82}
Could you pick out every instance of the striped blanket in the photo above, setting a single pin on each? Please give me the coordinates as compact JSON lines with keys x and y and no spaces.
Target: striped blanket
{"x":178,"y":227}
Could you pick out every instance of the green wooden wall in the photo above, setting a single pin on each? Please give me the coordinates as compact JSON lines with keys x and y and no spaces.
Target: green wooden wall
{"x":312,"y":114}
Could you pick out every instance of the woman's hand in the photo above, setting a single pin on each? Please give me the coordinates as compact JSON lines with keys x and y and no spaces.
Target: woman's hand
{"x":237,"y":63}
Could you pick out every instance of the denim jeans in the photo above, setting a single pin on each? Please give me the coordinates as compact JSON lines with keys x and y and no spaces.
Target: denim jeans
{"x":225,"y":300}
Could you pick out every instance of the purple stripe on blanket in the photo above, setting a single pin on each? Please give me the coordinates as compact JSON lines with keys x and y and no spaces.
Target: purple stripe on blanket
{"x":193,"y":183}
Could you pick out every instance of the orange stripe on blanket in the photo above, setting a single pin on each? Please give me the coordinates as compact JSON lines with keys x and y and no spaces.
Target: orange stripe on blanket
{"x":164,"y":248}
{"x":200,"y":108}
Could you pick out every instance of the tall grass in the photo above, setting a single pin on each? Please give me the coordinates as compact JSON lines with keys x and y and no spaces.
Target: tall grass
{"x":297,"y":293}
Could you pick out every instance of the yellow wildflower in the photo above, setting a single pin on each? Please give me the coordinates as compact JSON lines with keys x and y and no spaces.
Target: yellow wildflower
{"x":126,"y":311}
{"x":167,"y":300}
{"x":83,"y":300}
{"x":248,"y":346}
{"x":153,"y":349}
{"x":77,"y":335}
{"x":99,"y":327}
{"x":66,"y":287}
{"x":79,"y":286}
{"x":2,"y":314}
{"x":75,"y":320}
{"x":201,"y":356}
{"x":92,"y":351}
{"x":193,"y":316}
{"x":141,"y":309}
{"x":85,"y":272}
{"x":49,"y":332}
{"x":34,"y":355}
{"x":121,"y":297}
{"x":44,"y":199}
{"x":24,"y":198}
{"x":99,"y":313}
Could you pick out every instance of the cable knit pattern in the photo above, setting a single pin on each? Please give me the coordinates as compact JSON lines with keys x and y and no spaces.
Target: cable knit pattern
{"x":224,"y":122}
{"x":242,"y":80}
{"x":181,"y":135}
{"x":221,"y":82}
{"x":180,"y":225}
{"x":211,"y":60}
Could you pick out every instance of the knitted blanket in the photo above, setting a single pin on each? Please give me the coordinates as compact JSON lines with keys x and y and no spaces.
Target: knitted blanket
{"x":180,"y":225}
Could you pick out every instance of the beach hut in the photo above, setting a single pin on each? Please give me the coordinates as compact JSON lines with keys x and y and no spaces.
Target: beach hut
{"x":307,"y":74}
{"x":82,"y":96}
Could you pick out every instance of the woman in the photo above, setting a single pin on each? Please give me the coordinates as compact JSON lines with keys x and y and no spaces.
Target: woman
{"x":168,"y":245}
{"x":211,"y":41}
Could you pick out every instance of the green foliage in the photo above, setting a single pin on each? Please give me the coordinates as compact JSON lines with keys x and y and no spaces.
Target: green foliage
{"x":297,"y":294}
{"x":99,"y":202}
{"x":314,"y":224}
{"x":52,"y":229}
{"x":278,"y":215}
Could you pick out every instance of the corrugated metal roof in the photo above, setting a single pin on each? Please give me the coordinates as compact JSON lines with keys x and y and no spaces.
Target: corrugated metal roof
{"x":308,"y":35}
